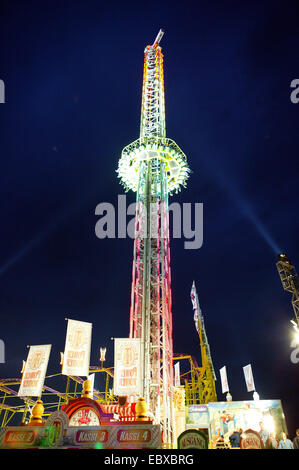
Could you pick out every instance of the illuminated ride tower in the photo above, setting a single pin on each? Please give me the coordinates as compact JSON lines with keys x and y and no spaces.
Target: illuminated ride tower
{"x":290,"y":282}
{"x":153,"y":166}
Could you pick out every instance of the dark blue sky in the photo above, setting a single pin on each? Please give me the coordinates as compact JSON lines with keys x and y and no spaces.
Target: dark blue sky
{"x":73,"y":75}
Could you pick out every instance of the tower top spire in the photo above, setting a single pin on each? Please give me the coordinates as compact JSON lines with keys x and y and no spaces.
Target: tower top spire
{"x":158,"y":37}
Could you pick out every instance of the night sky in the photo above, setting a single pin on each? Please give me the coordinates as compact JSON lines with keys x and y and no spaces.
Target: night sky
{"x":73,"y":76}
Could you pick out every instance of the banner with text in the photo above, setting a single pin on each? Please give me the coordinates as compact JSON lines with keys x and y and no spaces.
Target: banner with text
{"x":249,"y":378}
{"x":77,"y":348}
{"x":224,"y":382}
{"x":127,"y":366}
{"x":35,"y":371}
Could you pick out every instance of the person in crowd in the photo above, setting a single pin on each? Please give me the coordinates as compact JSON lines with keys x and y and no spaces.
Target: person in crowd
{"x":284,"y":442}
{"x":234,"y":438}
{"x":221,"y":444}
{"x":213,"y":441}
{"x":271,"y":442}
{"x":296,"y":440}
{"x":263,"y":433}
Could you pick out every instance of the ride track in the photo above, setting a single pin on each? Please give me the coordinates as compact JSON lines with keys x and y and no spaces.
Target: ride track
{"x":52,"y":399}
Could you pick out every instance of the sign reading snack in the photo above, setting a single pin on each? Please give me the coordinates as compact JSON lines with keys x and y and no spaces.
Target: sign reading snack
{"x":251,"y":440}
{"x":192,"y":439}
{"x":76,"y":356}
{"x":35,"y":370}
{"x":127,"y":366}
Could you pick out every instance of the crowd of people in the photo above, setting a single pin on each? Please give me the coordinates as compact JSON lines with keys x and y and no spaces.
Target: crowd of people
{"x":270,"y":440}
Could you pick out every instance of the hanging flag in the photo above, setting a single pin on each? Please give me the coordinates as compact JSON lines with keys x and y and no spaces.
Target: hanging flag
{"x":177,"y":380}
{"x":249,"y":378}
{"x":34,"y":371}
{"x":76,"y":356}
{"x":224,"y":382}
{"x":127,"y":366}
{"x":91,"y":378}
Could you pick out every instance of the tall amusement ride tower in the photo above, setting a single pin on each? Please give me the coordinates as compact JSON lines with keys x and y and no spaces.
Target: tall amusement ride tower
{"x":153,"y":166}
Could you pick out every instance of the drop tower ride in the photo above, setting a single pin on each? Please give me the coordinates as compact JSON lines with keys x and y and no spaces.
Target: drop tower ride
{"x":153,"y":166}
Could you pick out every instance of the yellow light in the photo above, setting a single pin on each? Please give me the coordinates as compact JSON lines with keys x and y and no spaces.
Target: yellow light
{"x":103,"y":354}
{"x":295,"y":326}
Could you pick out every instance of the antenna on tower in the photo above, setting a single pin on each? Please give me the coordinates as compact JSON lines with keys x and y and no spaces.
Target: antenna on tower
{"x":159,"y":37}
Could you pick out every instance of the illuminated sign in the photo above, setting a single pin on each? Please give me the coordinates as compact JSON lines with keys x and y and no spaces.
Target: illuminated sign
{"x":35,"y":370}
{"x":127,"y":367}
{"x":77,"y":348}
{"x":57,"y":423}
{"x":19,"y":437}
{"x":91,"y":436}
{"x":192,"y":439}
{"x":136,"y":435}
{"x":251,"y":440}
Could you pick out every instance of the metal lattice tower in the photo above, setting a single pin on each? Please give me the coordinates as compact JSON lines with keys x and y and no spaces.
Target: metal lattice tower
{"x":154,"y":167}
{"x":205,"y":383}
{"x":290,"y":281}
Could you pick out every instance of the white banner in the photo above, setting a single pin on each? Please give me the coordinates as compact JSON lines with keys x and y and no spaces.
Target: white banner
{"x":91,"y":378}
{"x":249,"y":378}
{"x":127,"y":367}
{"x":35,"y":371}
{"x":76,"y":356}
{"x":224,"y":382}
{"x":177,"y":380}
